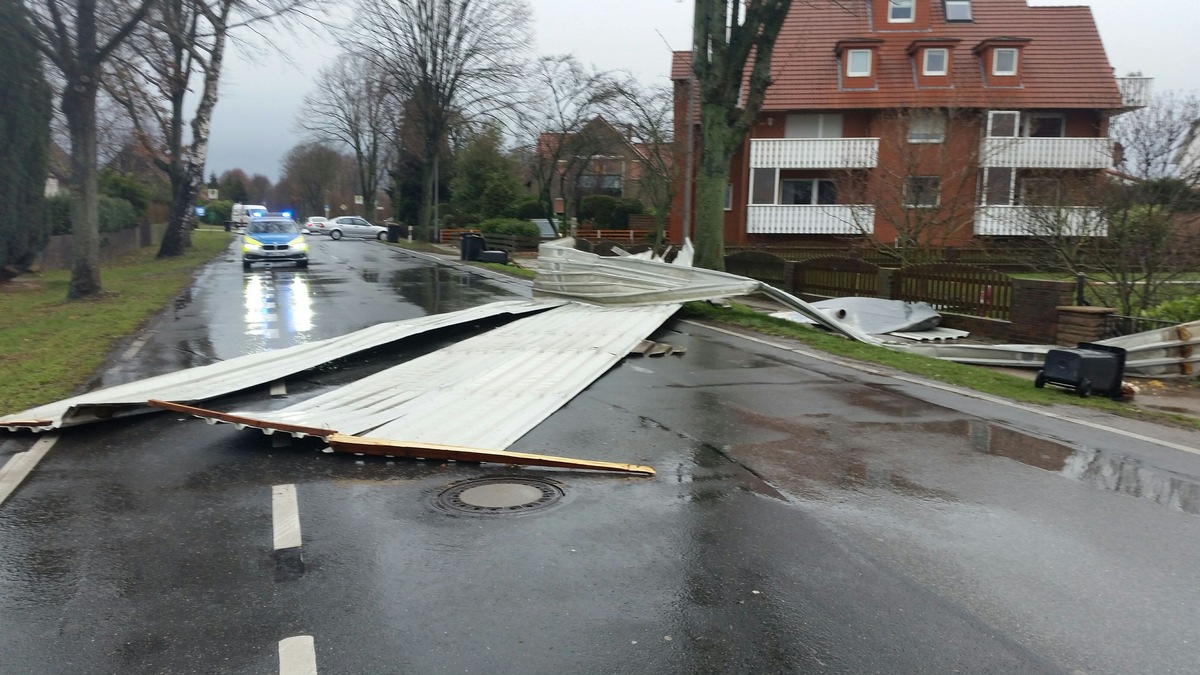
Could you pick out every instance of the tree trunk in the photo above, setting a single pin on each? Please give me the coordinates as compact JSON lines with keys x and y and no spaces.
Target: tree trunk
{"x":79,"y":107}
{"x":177,"y":238}
{"x":716,"y":151}
{"x":425,"y":221}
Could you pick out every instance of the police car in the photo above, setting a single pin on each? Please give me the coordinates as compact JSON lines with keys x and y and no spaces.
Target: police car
{"x":273,"y":238}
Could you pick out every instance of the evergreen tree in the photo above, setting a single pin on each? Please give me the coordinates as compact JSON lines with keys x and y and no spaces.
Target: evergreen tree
{"x":24,"y":141}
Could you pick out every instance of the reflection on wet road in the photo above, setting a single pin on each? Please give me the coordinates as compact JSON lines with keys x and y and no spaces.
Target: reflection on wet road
{"x":348,"y":285}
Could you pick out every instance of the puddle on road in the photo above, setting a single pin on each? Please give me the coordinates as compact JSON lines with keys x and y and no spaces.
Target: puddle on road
{"x":812,"y":455}
{"x":1095,"y":469}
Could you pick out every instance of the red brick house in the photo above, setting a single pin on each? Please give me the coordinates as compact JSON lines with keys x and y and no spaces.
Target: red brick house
{"x":599,"y":159}
{"x":934,"y":120}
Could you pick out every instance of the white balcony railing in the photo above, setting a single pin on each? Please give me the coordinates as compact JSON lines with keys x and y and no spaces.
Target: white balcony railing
{"x":1039,"y":221}
{"x":803,"y":219}
{"x":814,"y":153}
{"x":1135,"y":91}
{"x":1048,"y":153}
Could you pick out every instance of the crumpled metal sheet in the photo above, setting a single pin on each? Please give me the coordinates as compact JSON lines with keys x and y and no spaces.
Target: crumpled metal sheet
{"x":874,"y":316}
{"x":226,"y":377}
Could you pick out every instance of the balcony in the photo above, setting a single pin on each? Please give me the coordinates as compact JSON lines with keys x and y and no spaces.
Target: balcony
{"x":1039,"y":221}
{"x":814,"y":153}
{"x":1047,"y":153}
{"x":804,"y":219}
{"x":1135,"y":91}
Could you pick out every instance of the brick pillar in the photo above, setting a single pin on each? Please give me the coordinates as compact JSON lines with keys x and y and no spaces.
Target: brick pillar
{"x":1081,"y":324}
{"x":1034,"y":312}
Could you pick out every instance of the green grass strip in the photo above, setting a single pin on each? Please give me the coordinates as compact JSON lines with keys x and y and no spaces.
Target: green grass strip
{"x":52,"y":347}
{"x":977,"y":378}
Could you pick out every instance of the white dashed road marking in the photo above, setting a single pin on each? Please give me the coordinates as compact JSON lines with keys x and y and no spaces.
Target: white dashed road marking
{"x":20,"y":464}
{"x":298,"y":656}
{"x":286,"y":516}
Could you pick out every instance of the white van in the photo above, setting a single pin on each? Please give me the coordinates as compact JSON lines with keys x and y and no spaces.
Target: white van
{"x":242,"y":213}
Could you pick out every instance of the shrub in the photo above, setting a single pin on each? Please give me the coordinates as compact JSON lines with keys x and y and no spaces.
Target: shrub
{"x":510,"y":227}
{"x":116,"y":214}
{"x":57,"y":212}
{"x":530,"y":208}
{"x":126,"y":187}
{"x":1182,"y":310}
{"x":218,"y":211}
{"x":599,"y":209}
{"x":624,"y":209}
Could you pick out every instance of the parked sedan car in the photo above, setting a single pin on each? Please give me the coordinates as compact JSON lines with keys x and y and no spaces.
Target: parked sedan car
{"x":273,"y":239}
{"x":354,"y":226}
{"x":316,"y":225}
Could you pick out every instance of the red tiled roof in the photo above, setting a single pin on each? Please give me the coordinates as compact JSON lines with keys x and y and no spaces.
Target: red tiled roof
{"x":681,"y":65}
{"x":1062,"y":66}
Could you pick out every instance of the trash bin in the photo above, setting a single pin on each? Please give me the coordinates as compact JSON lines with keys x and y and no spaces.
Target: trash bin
{"x":471,"y":246}
{"x":1086,"y":369}
{"x":395,"y":232}
{"x":499,"y":257}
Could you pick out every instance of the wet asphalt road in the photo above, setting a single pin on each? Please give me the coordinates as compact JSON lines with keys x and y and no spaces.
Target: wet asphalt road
{"x":807,"y":517}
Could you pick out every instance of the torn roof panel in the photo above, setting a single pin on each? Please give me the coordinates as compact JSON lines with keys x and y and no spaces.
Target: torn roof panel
{"x":225,"y":377}
{"x":483,"y":392}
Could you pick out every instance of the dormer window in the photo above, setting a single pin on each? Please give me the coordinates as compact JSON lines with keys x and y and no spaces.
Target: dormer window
{"x":901,"y":11}
{"x":1004,"y":61}
{"x":858,"y":63}
{"x":935,"y":61}
{"x":958,"y":10}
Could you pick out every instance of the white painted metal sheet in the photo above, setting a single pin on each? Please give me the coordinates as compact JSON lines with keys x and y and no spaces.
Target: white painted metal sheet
{"x":486,"y":391}
{"x":225,"y":377}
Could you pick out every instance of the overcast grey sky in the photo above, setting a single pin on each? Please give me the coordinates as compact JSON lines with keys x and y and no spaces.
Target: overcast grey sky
{"x":262,"y":92}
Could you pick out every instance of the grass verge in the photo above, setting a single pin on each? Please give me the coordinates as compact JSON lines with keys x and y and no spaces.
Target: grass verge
{"x":52,"y":346}
{"x":511,"y":270}
{"x":958,"y":374}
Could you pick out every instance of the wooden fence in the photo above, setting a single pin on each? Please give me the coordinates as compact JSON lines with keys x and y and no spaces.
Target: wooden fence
{"x":758,"y":265}
{"x":948,"y":287}
{"x":961,"y":289}
{"x":836,"y":277}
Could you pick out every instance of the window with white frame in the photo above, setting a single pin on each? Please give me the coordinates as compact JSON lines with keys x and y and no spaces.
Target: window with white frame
{"x":901,"y":11}
{"x":762,"y":185}
{"x":1039,"y":191}
{"x":858,"y":63}
{"x":813,"y":125}
{"x":935,"y":61}
{"x":1004,"y":61}
{"x":926,"y":126}
{"x":807,"y":191}
{"x":1004,"y":124}
{"x":958,"y":10}
{"x":922,"y":191}
{"x":997,"y":186}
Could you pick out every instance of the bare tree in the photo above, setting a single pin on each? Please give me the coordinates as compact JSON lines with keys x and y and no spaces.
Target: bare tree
{"x":1122,"y":231}
{"x":448,"y":59}
{"x":354,"y":106}
{"x":926,"y":192}
{"x":648,"y":112}
{"x":78,"y":37}
{"x":565,"y":98}
{"x":180,"y":51}
{"x":312,"y":175}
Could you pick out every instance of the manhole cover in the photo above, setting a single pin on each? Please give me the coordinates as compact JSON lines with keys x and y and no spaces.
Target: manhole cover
{"x":502,"y":495}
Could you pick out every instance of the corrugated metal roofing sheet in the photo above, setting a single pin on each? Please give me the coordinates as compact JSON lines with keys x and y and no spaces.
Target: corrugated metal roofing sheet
{"x":225,"y":377}
{"x":484,"y":392}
